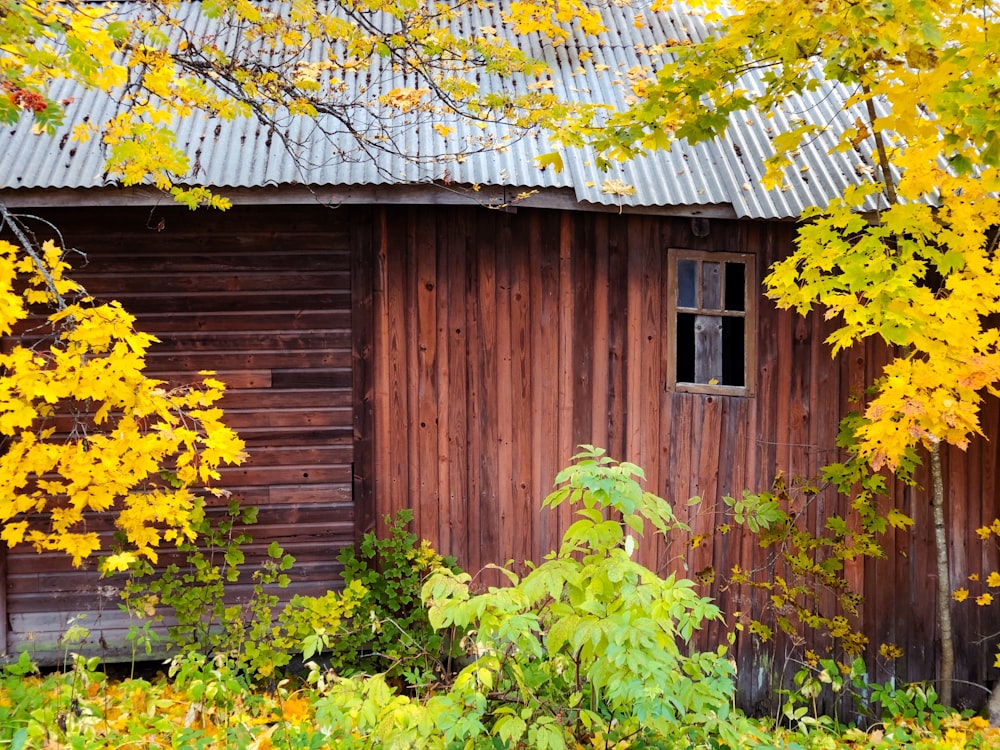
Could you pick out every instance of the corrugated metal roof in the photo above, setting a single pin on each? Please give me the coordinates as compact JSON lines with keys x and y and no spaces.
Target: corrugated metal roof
{"x":244,"y":153}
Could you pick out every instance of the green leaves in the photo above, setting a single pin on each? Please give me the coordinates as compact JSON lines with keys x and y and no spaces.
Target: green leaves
{"x":597,"y":481}
{"x":392,"y":571}
{"x":589,"y":635}
{"x":759,"y":511}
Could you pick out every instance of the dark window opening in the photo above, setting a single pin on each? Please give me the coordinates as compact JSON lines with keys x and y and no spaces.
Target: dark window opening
{"x":735,"y":286}
{"x":711,"y":311}
{"x":733,"y":344}
{"x":685,"y":347}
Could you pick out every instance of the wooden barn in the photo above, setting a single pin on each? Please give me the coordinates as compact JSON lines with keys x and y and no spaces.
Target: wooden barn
{"x":443,"y":343}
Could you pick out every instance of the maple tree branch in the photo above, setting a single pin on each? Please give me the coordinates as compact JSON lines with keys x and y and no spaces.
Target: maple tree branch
{"x":883,"y":157}
{"x":10,"y":220}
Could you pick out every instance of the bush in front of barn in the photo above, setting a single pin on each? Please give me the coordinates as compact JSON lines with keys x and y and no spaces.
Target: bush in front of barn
{"x":588,"y":649}
{"x":398,"y":638}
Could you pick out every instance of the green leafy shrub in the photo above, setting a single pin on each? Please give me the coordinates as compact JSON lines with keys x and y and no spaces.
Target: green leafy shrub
{"x":376,"y":624}
{"x":327,"y":624}
{"x":588,"y":643}
{"x":206,"y":705}
{"x":193,"y":591}
{"x":913,"y":704}
{"x":589,"y":647}
{"x":393,"y":633}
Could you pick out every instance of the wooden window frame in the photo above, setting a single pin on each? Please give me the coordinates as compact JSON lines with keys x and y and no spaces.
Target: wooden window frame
{"x":748,"y":314}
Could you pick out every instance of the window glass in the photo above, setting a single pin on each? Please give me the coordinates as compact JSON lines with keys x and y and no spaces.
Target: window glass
{"x":687,"y":283}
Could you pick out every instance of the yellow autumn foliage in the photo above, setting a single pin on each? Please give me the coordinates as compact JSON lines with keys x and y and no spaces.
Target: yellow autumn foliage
{"x":84,"y":429}
{"x":908,"y":252}
{"x":281,"y":66}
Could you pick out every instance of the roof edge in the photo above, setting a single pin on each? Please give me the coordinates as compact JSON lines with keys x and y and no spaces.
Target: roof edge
{"x":496,"y":197}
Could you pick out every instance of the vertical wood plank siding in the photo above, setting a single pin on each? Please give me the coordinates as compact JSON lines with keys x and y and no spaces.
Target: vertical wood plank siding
{"x":507,"y":339}
{"x":264,"y":298}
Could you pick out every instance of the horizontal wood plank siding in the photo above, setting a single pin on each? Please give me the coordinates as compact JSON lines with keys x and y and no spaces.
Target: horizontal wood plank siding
{"x":264,"y":298}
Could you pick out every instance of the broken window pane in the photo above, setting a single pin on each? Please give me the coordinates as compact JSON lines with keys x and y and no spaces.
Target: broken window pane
{"x":711,"y":321}
{"x":735,"y":286}
{"x":733,"y":344}
{"x":684,"y":336}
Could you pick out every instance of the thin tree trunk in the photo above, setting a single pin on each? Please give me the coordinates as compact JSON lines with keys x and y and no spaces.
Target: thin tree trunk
{"x":947,"y":675}
{"x":947,"y":664}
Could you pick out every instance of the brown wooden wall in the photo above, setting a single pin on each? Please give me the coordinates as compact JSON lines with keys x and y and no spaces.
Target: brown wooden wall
{"x":263,"y":298}
{"x":500,"y":341}
{"x":458,"y":355}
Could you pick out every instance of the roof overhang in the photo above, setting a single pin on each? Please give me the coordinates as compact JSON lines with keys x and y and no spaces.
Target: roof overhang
{"x":498,"y":197}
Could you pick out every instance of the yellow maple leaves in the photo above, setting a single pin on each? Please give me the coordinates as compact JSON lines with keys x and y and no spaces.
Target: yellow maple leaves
{"x":404,"y":99}
{"x":984,"y":598}
{"x":920,"y":273}
{"x":86,"y":430}
{"x":906,"y":252}
{"x":554,"y":20}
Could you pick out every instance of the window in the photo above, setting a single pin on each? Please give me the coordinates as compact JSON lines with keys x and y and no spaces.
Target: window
{"x":710,"y":331}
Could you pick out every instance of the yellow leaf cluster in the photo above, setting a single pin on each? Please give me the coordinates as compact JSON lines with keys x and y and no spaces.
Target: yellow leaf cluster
{"x":85,"y":429}
{"x":890,"y":651}
{"x":553,"y":20}
{"x":920,"y":271}
{"x":925,"y":399}
{"x":404,"y":99}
